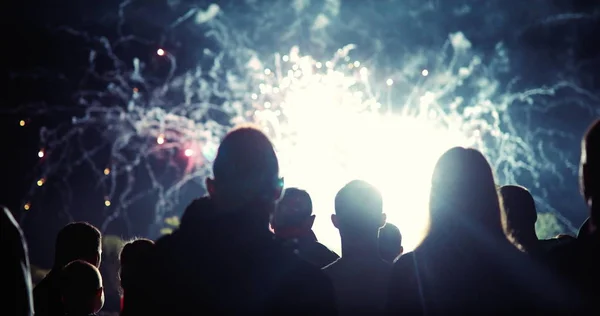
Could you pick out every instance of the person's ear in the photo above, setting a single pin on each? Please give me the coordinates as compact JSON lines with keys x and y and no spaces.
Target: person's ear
{"x":279,"y":189}
{"x":401,"y":251}
{"x":334,"y":221}
{"x":97,"y":259}
{"x":210,"y":186}
{"x":99,"y":301}
{"x":383,"y":220}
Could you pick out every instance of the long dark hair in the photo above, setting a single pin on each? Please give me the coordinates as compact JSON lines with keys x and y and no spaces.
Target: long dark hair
{"x":463,"y":199}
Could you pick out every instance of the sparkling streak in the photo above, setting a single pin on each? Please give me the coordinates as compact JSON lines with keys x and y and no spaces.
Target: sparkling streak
{"x":330,"y":120}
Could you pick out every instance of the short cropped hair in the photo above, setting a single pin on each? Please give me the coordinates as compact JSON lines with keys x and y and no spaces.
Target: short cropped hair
{"x":390,"y":242}
{"x":246,"y":165}
{"x":294,"y":208}
{"x":77,"y":240}
{"x":359,"y":205}
{"x":134,"y":254}
{"x":519,"y":206}
{"x":79,"y":285}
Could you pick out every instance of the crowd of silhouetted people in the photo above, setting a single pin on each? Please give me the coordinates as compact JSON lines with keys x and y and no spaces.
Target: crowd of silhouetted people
{"x":247,"y":248}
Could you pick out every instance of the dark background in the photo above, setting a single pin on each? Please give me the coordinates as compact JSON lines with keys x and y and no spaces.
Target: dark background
{"x":548,"y":41}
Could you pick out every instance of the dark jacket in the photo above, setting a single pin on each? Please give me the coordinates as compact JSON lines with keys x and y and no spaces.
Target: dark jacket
{"x":310,"y":249}
{"x":473,"y":276}
{"x":578,"y":262}
{"x":46,"y":296}
{"x":223,"y":264}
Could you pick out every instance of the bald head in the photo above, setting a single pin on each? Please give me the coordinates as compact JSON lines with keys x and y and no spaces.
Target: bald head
{"x":81,"y":288}
{"x":246,"y":169}
{"x":359,"y":208}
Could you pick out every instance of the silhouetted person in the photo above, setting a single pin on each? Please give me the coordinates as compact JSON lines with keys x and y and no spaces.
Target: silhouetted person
{"x":579,"y":261}
{"x":360,"y":277}
{"x":81,"y":289}
{"x":224,"y":259}
{"x":465,"y":264}
{"x":134,"y":258}
{"x":520,"y":215}
{"x":75,"y":241}
{"x":292,"y":223}
{"x":390,"y":242}
{"x":15,"y":273}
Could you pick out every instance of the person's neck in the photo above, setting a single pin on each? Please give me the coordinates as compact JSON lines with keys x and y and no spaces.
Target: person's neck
{"x":294,"y":232}
{"x":363,"y":245}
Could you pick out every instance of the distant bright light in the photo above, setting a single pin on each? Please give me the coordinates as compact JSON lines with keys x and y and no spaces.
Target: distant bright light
{"x":106,"y":171}
{"x":188,"y":152}
{"x":335,"y":135}
{"x":107,"y":203}
{"x":41,"y":182}
{"x":267,"y":71}
{"x":160,"y":52}
{"x":395,"y":154}
{"x":41,"y":153}
{"x":21,"y":123}
{"x":27,"y":206}
{"x":425,"y":72}
{"x":160,"y":139}
{"x":389,"y":82}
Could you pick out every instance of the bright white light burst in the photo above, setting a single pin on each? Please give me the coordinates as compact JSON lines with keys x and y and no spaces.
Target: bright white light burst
{"x":329,"y":128}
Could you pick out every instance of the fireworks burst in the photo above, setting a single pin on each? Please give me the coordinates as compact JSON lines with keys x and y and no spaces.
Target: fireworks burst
{"x":330,"y":120}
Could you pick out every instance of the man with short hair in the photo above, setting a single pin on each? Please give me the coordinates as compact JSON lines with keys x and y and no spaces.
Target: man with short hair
{"x":292,"y":223}
{"x":224,"y":259}
{"x":81,"y":289}
{"x":75,"y":241}
{"x":360,"y":277}
{"x":390,"y":243}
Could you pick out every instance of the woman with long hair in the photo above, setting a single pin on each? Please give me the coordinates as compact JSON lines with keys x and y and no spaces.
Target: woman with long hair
{"x":465,"y":264}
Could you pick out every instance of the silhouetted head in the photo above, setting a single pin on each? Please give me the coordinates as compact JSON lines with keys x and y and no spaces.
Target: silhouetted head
{"x":293,"y":214}
{"x":246,"y":171}
{"x":520,"y":216}
{"x":78,"y":241}
{"x":463,"y":197}
{"x":81,"y":288}
{"x":133,"y":257}
{"x":390,"y":242}
{"x":589,"y":171}
{"x":358,"y":209}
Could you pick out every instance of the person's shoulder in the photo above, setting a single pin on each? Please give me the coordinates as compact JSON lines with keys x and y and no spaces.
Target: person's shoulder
{"x":299,"y":266}
{"x":404,"y":263}
{"x":404,"y":258}
{"x":332,"y":266}
{"x":566,"y":250}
